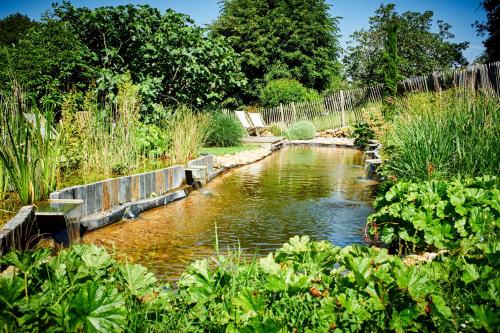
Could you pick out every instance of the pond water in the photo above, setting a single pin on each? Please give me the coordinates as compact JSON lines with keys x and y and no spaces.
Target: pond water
{"x":320,"y":192}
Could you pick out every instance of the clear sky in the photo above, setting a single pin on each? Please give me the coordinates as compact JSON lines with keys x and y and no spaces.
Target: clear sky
{"x":355,"y":13}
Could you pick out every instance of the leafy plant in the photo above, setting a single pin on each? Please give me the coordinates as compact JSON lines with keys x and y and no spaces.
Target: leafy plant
{"x":437,"y":214}
{"x":363,"y":133}
{"x":286,"y":91}
{"x":301,"y":130}
{"x":304,"y":286}
{"x":224,"y":131}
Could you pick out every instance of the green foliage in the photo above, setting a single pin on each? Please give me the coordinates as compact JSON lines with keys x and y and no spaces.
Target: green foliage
{"x":420,"y":50}
{"x":281,"y":39}
{"x":224,"y":131}
{"x":301,"y":130}
{"x":437,"y":214}
{"x":391,"y":68}
{"x":491,"y":28}
{"x":443,"y":135}
{"x":173,"y":60}
{"x":13,"y":27}
{"x":31,"y":150}
{"x":363,"y":133}
{"x":48,"y":60}
{"x":286,"y":91}
{"x":151,"y":140}
{"x":277,"y":129}
{"x":304,"y":286}
{"x":188,"y":132}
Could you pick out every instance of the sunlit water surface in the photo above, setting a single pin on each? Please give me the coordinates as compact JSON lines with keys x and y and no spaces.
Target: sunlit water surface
{"x":319,"y":192}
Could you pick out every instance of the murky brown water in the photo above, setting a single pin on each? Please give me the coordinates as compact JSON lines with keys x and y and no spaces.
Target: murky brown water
{"x":296,"y":191}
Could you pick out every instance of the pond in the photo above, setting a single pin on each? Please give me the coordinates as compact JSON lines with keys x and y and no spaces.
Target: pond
{"x":320,"y":192}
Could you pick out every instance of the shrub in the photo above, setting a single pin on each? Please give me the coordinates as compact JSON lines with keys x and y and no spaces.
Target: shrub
{"x":363,"y":133}
{"x":224,"y":131}
{"x":286,"y":91}
{"x":301,"y":130}
{"x":436,"y":214}
{"x":304,"y":286}
{"x":443,"y":135}
{"x":150,"y":140}
{"x":276,"y":129}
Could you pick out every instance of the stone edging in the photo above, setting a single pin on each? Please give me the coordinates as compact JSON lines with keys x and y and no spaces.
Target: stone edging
{"x":108,"y":201}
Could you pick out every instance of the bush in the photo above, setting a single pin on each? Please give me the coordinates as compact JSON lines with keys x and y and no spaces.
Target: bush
{"x":436,"y":214}
{"x":224,"y":131}
{"x":277,"y":129}
{"x":363,"y":133}
{"x":443,"y":135}
{"x":150,"y":140}
{"x":301,"y":130}
{"x":286,"y":91}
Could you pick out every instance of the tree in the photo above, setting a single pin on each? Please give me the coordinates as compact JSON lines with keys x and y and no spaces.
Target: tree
{"x":295,"y":39}
{"x":421,"y":51}
{"x":13,"y":27}
{"x":492,"y":28}
{"x":391,"y":66}
{"x":48,"y":60}
{"x":173,"y":60}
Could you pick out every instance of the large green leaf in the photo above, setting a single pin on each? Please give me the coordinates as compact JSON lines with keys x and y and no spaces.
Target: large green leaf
{"x":95,"y":308}
{"x":138,"y":279}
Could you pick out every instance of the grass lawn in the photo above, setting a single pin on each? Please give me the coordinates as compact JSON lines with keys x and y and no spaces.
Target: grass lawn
{"x":219,"y":151}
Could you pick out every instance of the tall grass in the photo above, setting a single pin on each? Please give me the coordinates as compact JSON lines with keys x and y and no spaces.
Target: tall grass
{"x":30,"y":149}
{"x":100,"y":138}
{"x":444,"y":135}
{"x":188,"y":132}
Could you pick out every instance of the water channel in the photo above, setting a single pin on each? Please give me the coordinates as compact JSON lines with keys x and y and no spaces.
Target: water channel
{"x":320,"y":192}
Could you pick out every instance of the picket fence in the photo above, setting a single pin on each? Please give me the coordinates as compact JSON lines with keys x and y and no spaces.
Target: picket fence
{"x":346,"y":107}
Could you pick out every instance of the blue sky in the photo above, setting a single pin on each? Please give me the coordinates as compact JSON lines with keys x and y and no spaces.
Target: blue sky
{"x":355,"y":13}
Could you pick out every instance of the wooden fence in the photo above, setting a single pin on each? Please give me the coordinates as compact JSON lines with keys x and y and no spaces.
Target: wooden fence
{"x":346,"y":107}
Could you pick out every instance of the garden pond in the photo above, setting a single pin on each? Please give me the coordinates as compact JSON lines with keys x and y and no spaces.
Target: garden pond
{"x":319,"y":192}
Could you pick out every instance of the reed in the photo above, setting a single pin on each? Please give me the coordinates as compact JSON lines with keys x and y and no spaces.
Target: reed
{"x":30,"y":149}
{"x":440,"y":135}
{"x":188,"y":132}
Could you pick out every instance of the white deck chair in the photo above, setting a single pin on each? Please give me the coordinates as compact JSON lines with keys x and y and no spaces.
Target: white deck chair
{"x":256,"y":119}
{"x":247,"y":125}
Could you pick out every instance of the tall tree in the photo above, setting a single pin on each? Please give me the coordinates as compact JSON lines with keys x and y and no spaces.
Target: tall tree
{"x":391,"y":66}
{"x":491,"y":28}
{"x":281,"y":39}
{"x":420,"y":49}
{"x":13,"y":27}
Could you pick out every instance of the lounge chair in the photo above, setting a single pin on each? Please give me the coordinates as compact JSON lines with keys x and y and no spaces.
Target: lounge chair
{"x":257,"y":121}
{"x":245,"y":122}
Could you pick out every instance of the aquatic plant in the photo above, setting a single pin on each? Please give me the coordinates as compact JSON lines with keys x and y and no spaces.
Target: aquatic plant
{"x":30,"y":149}
{"x":363,"y":133}
{"x":443,"y":135}
{"x":188,"y":131}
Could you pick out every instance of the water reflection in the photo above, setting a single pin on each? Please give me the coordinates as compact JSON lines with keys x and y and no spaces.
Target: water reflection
{"x":296,"y":191}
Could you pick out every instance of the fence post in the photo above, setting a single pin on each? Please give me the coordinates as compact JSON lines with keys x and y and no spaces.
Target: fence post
{"x":294,"y":112}
{"x":282,"y":113}
{"x":342,"y":107}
